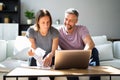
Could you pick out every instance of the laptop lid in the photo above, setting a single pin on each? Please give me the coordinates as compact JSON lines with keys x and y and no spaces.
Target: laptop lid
{"x":66,"y":59}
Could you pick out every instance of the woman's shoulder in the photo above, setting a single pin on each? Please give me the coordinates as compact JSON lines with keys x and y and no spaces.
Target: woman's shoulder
{"x":53,"y":29}
{"x":31,"y":28}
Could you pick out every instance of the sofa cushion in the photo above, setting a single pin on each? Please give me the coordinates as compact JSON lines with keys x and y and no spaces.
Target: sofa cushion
{"x":21,"y":48}
{"x":105,"y":51}
{"x":10,"y":63}
{"x":2,"y":50}
{"x":98,"y":40}
{"x":115,"y":63}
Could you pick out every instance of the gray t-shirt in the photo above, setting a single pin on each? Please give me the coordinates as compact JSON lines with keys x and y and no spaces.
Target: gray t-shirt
{"x":44,"y":42}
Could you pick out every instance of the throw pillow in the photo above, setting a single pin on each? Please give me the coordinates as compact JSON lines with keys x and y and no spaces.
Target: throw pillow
{"x":98,"y":40}
{"x":21,"y":48}
{"x":22,"y":55}
{"x":105,"y":52}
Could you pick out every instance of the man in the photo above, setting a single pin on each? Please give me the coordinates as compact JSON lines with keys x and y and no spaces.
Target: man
{"x":74,"y":36}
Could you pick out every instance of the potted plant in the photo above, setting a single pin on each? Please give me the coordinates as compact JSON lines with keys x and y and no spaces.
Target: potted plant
{"x":30,"y":15}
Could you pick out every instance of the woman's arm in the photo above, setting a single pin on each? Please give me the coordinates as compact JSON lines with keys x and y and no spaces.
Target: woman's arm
{"x":32,"y":41}
{"x":48,"y":59}
{"x":54,"y":46}
{"x":33,"y":47}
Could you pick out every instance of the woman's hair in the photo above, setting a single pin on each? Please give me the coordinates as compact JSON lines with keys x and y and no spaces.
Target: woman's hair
{"x":41,"y":13}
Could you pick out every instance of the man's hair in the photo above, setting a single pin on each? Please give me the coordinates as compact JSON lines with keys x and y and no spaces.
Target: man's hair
{"x":72,"y":11}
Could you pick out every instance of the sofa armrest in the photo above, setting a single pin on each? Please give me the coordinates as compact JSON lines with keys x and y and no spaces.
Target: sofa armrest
{"x":2,"y":50}
{"x":10,"y":48}
{"x":116,"y":49}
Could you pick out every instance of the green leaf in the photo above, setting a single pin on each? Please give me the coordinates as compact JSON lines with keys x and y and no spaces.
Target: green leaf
{"x":29,"y":14}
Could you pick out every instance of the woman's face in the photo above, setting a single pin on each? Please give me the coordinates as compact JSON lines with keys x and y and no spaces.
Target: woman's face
{"x":44,"y":23}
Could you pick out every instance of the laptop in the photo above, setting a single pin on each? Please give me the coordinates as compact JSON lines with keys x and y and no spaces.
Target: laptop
{"x":67,"y":59}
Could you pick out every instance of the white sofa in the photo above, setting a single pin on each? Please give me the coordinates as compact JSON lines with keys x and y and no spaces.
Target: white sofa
{"x":13,"y":53}
{"x":109,"y":52}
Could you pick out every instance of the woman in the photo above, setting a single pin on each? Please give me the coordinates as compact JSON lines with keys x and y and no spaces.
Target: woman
{"x":42,"y":35}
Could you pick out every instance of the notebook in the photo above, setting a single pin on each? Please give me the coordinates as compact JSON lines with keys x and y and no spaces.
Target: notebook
{"x":67,"y":59}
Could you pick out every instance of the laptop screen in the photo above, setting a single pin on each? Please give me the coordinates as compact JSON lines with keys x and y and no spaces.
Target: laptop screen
{"x":66,"y":59}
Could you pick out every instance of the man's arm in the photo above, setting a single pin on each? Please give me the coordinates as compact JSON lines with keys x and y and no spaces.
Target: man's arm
{"x":89,"y":44}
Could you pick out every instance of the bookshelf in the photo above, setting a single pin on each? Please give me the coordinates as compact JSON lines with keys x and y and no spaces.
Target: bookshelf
{"x":10,"y":11}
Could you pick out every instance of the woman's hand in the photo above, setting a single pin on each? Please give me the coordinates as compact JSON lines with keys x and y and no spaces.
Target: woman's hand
{"x":31,"y":52}
{"x":47,"y":61}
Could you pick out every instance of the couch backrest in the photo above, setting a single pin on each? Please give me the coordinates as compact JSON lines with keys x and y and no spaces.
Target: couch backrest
{"x":11,"y":48}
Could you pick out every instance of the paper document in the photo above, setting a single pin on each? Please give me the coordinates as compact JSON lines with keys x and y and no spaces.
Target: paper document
{"x":39,"y":53}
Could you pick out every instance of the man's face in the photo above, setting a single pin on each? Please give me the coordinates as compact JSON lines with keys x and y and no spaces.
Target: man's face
{"x":70,"y":20}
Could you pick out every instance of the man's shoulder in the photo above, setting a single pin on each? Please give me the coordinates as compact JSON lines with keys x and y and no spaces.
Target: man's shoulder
{"x":80,"y":26}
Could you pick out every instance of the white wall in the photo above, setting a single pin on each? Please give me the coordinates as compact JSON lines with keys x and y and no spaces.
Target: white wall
{"x":102,"y":17}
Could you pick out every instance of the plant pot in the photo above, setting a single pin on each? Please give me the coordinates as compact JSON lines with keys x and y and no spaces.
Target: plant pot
{"x":29,"y":21}
{"x":6,"y":20}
